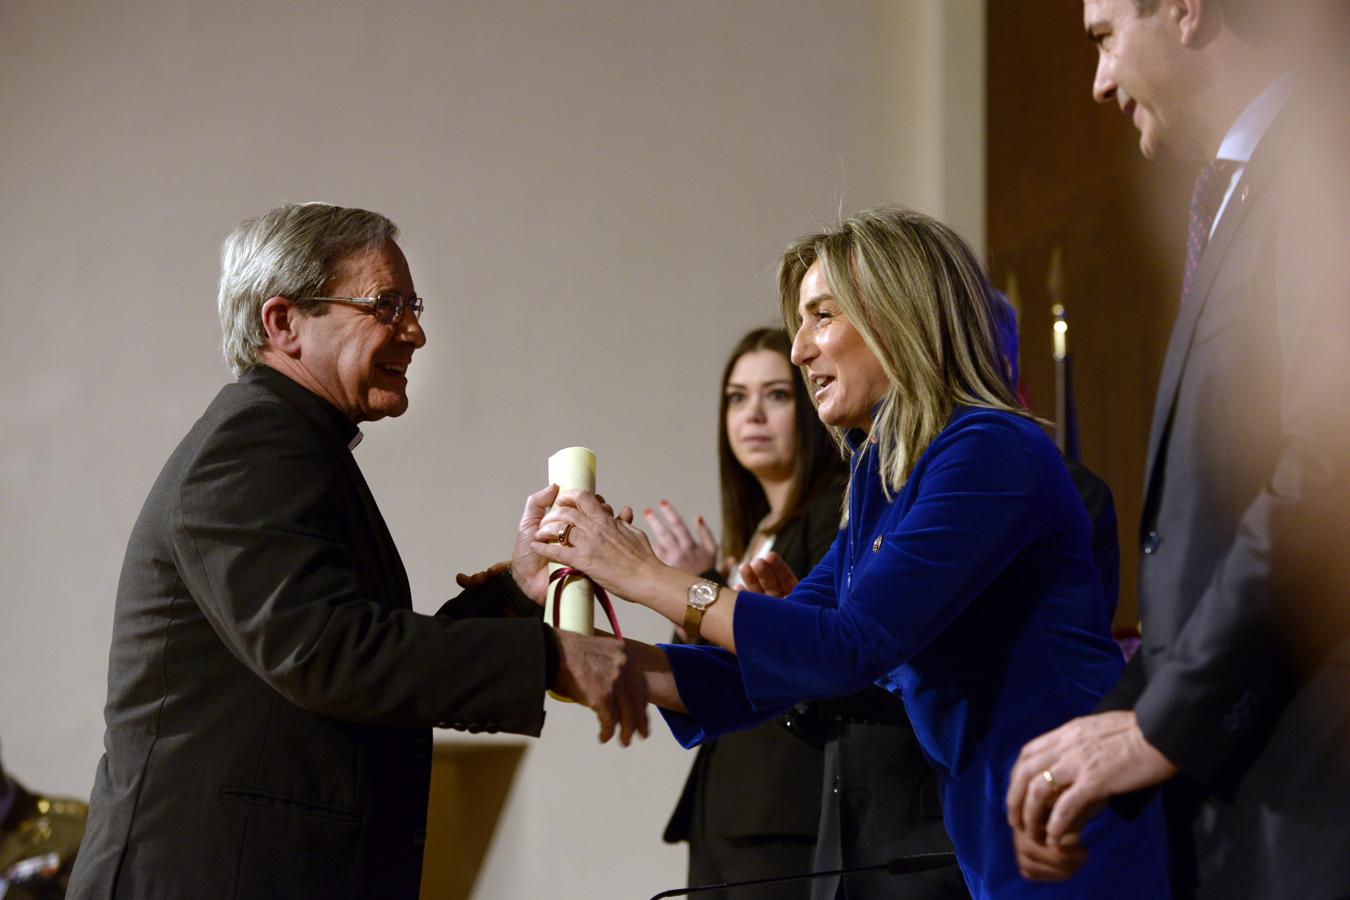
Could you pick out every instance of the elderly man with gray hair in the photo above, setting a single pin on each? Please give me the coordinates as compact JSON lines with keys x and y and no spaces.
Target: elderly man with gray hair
{"x":271,"y":692}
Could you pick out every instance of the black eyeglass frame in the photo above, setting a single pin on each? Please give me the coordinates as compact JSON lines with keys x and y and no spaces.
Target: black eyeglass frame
{"x":372,"y":305}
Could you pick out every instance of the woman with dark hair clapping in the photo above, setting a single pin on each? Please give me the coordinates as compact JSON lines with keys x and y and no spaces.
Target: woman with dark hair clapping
{"x":751,"y":804}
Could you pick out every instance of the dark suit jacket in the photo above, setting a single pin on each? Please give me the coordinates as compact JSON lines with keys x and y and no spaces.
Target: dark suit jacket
{"x":1246,"y":471}
{"x":270,"y":690}
{"x":764,"y":782}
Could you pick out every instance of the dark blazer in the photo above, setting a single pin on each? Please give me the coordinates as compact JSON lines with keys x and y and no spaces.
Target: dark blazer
{"x":1244,"y":474}
{"x":763,"y":782}
{"x":270,"y":690}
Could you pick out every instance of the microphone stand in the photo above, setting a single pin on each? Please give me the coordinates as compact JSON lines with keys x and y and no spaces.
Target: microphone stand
{"x":901,"y":865}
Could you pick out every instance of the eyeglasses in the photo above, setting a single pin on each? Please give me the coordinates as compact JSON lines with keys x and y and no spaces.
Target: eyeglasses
{"x":387,"y":307}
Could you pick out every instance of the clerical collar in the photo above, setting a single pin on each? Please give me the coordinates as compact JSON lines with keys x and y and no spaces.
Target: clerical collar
{"x":303,"y":397}
{"x":1251,"y":125}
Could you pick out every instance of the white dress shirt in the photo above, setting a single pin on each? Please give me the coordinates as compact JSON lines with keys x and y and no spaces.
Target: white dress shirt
{"x":1246,"y":132}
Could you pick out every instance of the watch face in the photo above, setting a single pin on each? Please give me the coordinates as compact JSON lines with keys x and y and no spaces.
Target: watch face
{"x":701,"y":594}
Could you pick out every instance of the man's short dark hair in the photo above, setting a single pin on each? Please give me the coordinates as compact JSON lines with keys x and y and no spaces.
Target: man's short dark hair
{"x":1246,"y":18}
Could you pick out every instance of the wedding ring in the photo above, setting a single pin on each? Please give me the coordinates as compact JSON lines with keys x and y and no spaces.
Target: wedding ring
{"x":564,"y":532}
{"x":1050,"y":780}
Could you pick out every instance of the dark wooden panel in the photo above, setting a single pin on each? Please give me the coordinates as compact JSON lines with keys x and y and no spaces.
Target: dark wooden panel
{"x":1065,"y":172}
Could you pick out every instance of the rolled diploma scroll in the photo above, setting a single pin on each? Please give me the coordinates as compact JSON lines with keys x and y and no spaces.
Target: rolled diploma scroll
{"x":572,"y":469}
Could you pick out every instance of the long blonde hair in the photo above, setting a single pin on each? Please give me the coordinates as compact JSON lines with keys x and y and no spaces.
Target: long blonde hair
{"x":923,"y":306}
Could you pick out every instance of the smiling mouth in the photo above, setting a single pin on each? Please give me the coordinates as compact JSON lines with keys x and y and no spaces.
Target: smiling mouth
{"x":399,"y":369}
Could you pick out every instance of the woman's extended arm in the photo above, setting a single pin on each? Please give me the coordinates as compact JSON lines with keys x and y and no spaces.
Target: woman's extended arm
{"x":655,"y":669}
{"x":617,"y":556}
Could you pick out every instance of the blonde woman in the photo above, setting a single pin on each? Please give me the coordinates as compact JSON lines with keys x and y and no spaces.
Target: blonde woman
{"x":963,"y":580}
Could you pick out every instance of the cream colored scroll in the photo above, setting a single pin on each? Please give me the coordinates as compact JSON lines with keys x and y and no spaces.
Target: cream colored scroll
{"x":572,"y":469}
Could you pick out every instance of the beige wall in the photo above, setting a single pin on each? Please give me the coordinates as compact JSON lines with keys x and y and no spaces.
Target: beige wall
{"x":593,"y":195}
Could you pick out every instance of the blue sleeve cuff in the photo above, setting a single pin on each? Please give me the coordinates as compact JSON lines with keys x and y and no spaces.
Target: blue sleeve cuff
{"x":708,"y":680}
{"x":783,"y":652}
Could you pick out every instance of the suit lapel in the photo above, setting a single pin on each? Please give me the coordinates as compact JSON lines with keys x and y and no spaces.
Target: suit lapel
{"x":392,"y":574}
{"x":1249,"y":187}
{"x":379,"y":551}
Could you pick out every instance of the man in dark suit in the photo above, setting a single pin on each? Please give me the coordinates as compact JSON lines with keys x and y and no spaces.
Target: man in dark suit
{"x":1237,"y":701}
{"x":271,"y":692}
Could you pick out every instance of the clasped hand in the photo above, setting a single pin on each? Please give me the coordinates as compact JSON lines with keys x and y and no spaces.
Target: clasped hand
{"x":596,"y":671}
{"x":612,"y":552}
{"x":1063,"y":778}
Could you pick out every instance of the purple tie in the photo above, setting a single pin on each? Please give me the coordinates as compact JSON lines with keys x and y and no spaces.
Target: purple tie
{"x":1210,"y":186}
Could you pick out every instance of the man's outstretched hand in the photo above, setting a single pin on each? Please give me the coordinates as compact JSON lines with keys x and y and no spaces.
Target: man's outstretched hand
{"x":597,"y":672}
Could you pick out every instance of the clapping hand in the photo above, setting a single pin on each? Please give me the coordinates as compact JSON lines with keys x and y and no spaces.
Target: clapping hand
{"x":768,"y":575}
{"x":676,"y":546}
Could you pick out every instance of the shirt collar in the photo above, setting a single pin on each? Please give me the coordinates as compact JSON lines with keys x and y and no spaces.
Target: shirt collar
{"x":1250,"y":126}
{"x":308,"y":401}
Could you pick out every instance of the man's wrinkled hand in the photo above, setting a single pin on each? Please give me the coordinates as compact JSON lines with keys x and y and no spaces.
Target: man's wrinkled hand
{"x":597,"y":672}
{"x":1063,"y":778}
{"x":529,"y":570}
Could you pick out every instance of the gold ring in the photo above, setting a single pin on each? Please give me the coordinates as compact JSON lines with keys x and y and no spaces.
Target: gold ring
{"x":564,"y":532}
{"x":1050,"y":780}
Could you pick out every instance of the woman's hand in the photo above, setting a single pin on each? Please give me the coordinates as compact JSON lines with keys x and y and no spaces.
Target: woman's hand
{"x":675,"y":546}
{"x":768,"y":575}
{"x":613,"y":552}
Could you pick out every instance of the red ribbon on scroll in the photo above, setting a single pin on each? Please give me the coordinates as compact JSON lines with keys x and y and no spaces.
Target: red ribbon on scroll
{"x":560,"y":576}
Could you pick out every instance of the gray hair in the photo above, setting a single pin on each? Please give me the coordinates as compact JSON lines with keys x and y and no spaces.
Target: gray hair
{"x":291,"y":251}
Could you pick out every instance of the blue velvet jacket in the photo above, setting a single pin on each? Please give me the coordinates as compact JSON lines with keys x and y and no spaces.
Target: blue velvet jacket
{"x":973,"y":594}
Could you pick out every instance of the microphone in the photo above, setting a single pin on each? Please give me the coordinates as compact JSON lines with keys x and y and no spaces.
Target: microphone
{"x":901,"y":865}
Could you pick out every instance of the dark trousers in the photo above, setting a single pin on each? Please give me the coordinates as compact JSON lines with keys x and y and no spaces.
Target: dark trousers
{"x":715,"y":858}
